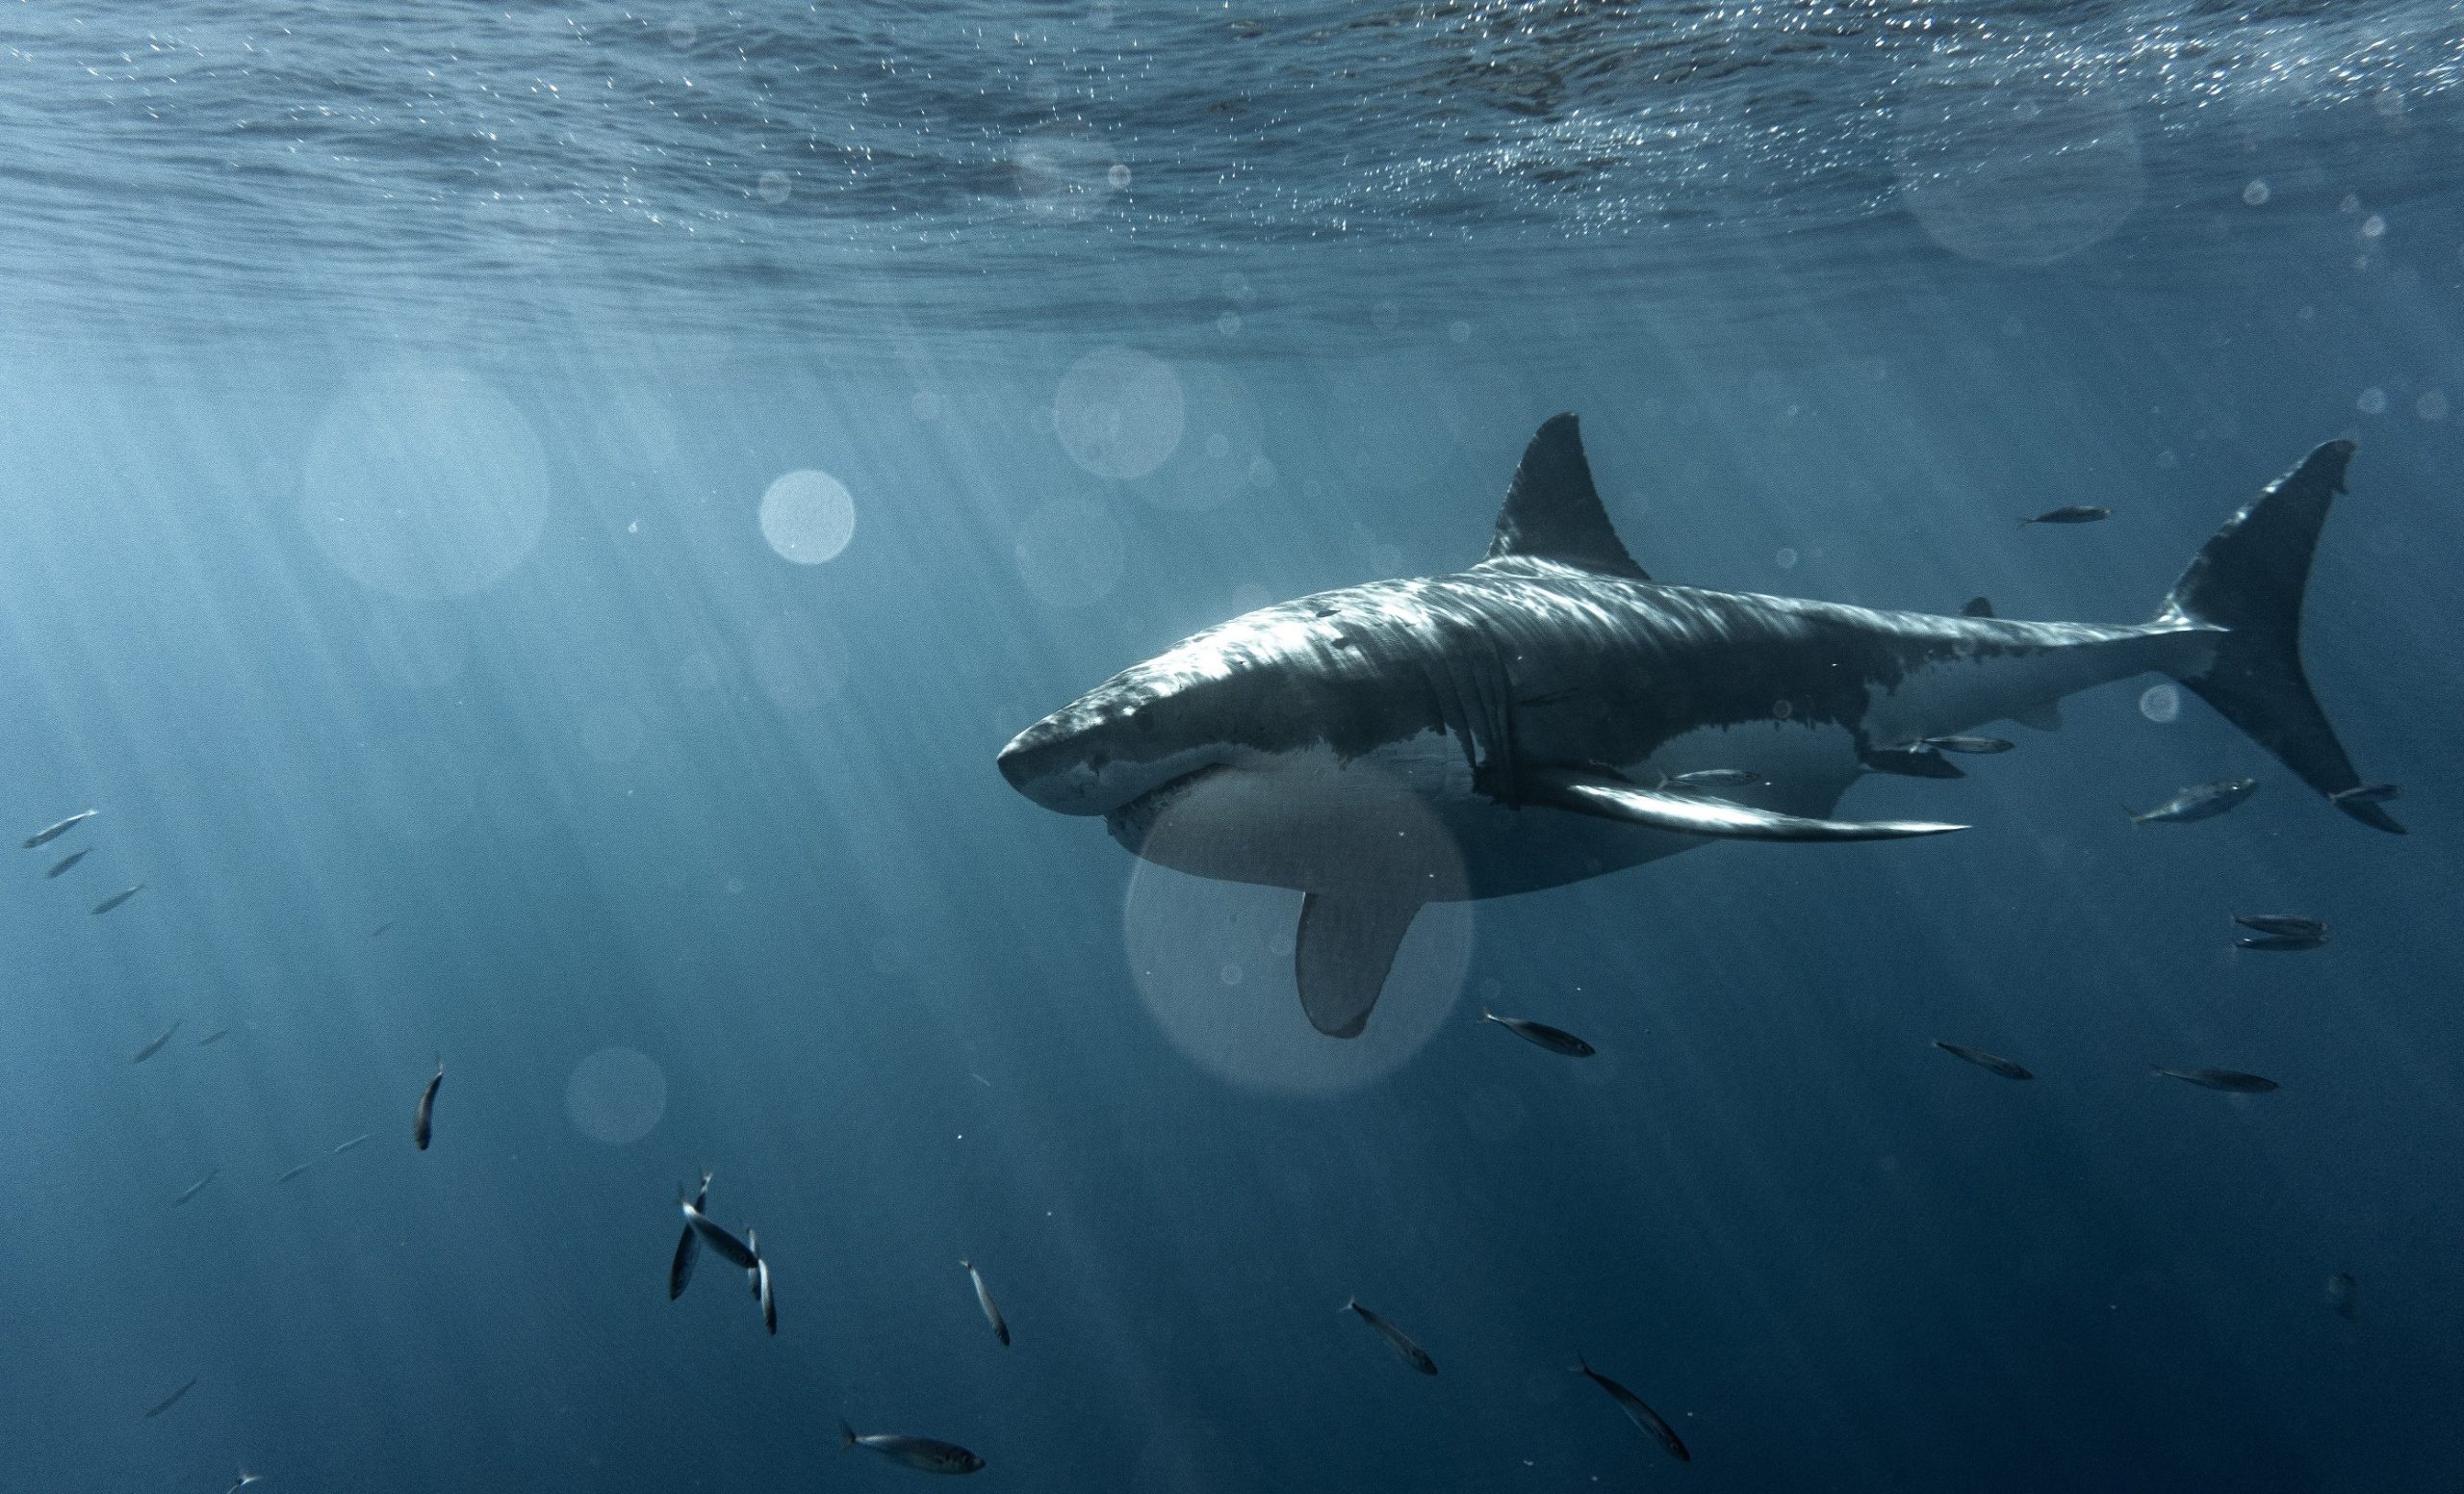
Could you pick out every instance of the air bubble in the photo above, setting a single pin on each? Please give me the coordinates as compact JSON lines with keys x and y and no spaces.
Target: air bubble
{"x":681,"y":34}
{"x":2373,"y":226}
{"x":2257,"y":193}
{"x":774,"y":186}
{"x":2372,"y":402}
{"x":2160,"y":704}
{"x":1459,"y":331}
{"x":1787,"y":559}
{"x":1117,"y":177}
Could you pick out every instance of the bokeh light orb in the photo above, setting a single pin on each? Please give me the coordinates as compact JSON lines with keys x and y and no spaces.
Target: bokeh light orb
{"x":424,"y":483}
{"x":616,"y":1095}
{"x":1119,"y":412}
{"x":807,"y":516}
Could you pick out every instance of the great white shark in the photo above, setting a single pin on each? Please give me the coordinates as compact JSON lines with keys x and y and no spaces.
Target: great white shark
{"x":1520,"y":724}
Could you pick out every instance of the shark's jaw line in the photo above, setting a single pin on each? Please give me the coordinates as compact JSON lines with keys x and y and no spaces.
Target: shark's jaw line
{"x":1516,"y":726}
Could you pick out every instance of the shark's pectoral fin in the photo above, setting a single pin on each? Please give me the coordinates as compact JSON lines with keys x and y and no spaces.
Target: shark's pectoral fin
{"x":1692,"y":815}
{"x":2046,"y":717}
{"x":1346,"y":945}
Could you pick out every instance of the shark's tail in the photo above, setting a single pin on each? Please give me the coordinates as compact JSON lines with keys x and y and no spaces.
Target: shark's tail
{"x":2249,"y":581}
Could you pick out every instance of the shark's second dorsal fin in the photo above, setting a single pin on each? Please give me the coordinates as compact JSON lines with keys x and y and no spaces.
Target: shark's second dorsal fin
{"x":1553,"y":512}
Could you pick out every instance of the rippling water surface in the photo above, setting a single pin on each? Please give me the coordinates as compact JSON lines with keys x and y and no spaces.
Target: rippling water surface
{"x":531,"y":522}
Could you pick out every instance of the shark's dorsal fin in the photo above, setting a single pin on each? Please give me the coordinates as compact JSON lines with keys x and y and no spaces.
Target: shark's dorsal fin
{"x":1553,"y":512}
{"x":1978,"y":606}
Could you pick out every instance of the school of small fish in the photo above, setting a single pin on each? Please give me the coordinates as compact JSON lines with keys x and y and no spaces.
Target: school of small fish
{"x":1924,"y":758}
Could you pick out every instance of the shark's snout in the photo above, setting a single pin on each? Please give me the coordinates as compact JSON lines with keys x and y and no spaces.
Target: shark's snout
{"x":1054,"y":764}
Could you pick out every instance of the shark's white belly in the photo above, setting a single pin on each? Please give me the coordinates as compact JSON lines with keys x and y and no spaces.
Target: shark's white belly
{"x":1408,"y":814}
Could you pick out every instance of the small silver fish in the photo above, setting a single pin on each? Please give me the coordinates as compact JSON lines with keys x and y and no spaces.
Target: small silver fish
{"x":2362,"y":794}
{"x":1717,"y":778}
{"x":2290,"y":925}
{"x":244,"y":1479}
{"x":733,"y":1250}
{"x":348,"y":1144}
{"x":214,"y":1037}
{"x":190,"y":1192}
{"x":2070,"y":513}
{"x":689,"y":1245}
{"x":1557,"y":1040}
{"x":423,"y":1123}
{"x":50,"y":832}
{"x":1992,"y":1062}
{"x":156,"y":1046}
{"x":116,"y":899}
{"x":378,"y":931}
{"x":922,"y":1454}
{"x":757,"y":1277}
{"x":173,"y":1399}
{"x":2280,"y":941}
{"x":1397,"y":1339}
{"x":2340,"y":1298}
{"x":2200,"y":801}
{"x":1636,"y":1411}
{"x":64,"y":863}
{"x":984,"y":1300}
{"x":1967,"y":744}
{"x":296,"y":1172}
{"x":2231,"y":1081}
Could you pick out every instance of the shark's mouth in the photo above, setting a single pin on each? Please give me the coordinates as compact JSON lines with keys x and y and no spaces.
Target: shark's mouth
{"x":1132,"y":823}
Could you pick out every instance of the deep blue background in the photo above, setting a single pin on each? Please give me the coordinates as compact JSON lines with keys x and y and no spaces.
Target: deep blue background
{"x":889,"y":996}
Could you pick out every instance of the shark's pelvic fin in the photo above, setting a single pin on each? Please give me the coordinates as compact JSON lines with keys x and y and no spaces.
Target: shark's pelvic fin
{"x":1345,"y":947}
{"x":1554,"y":514}
{"x":1693,"y":814}
{"x":2249,"y":580}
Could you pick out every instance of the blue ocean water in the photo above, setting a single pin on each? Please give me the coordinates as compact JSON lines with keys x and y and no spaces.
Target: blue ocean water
{"x":429,"y":442}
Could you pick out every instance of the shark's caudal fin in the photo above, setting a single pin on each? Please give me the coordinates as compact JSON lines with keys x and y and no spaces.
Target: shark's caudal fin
{"x":2249,"y":580}
{"x":1554,"y":514}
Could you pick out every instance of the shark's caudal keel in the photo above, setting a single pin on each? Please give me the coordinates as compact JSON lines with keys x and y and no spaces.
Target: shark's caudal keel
{"x":1520,"y":724}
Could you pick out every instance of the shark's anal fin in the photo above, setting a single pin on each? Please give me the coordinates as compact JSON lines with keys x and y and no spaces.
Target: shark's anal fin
{"x":1693,"y":814}
{"x":1345,"y":947}
{"x":1553,"y":512}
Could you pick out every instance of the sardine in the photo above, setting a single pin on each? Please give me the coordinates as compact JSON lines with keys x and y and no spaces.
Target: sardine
{"x":156,"y":1046}
{"x":761,"y":1293}
{"x":2290,"y":925}
{"x":1397,"y":1339}
{"x":2200,"y":801}
{"x":214,"y":1037}
{"x":2231,"y":1081}
{"x":244,"y":1479}
{"x":1642,"y":1415}
{"x":1975,"y":745}
{"x":66,"y":861}
{"x":1993,"y":1062}
{"x":923,"y":1453}
{"x":173,"y":1399}
{"x":689,"y":1245}
{"x":2340,"y":1296}
{"x":116,"y":899}
{"x":50,"y":832}
{"x":379,"y":930}
{"x":984,"y":1300}
{"x":2361,"y":793}
{"x":1557,"y":1040}
{"x":2070,"y":513}
{"x":423,"y":1123}
{"x":296,"y":1172}
{"x":733,"y":1250}
{"x":348,"y":1144}
{"x":2280,"y":941}
{"x":190,"y":1192}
